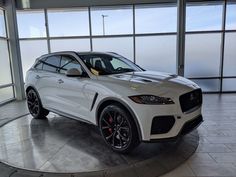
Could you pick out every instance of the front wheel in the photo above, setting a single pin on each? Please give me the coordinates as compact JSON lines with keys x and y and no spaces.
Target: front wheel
{"x":35,"y":105}
{"x":118,"y":129}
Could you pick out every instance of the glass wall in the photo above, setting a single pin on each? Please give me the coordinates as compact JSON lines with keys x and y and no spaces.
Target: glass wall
{"x":70,"y":44}
{"x":2,"y":24}
{"x":68,"y":22}
{"x":202,"y":56}
{"x":6,"y":85}
{"x":112,"y":30}
{"x":155,"y":18}
{"x":112,"y":20}
{"x":32,"y":34}
{"x":120,"y":45}
{"x":156,"y":26}
{"x":203,"y":44}
{"x":157,"y":53}
{"x":30,"y":50}
{"x":145,"y":34}
{"x":106,"y":29}
{"x":229,"y":72}
{"x":204,"y":16}
{"x":31,"y":24}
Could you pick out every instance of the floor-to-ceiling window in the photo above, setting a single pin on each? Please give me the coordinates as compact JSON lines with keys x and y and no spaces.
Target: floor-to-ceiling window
{"x":69,"y":29}
{"x":155,"y":28}
{"x":203,"y":44}
{"x":32,"y":34}
{"x":144,"y":33}
{"x":210,"y":57}
{"x":136,"y":32}
{"x":112,"y":30}
{"x":6,"y":84}
{"x":229,"y":72}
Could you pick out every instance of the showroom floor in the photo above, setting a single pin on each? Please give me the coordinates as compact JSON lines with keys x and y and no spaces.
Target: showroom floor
{"x":215,"y":155}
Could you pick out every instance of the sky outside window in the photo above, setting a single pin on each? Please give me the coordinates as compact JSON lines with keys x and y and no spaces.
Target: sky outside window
{"x":231,"y":16}
{"x":2,"y":24}
{"x":31,"y":24}
{"x":155,"y":19}
{"x":204,"y":17}
{"x":68,"y":22}
{"x":116,"y":20}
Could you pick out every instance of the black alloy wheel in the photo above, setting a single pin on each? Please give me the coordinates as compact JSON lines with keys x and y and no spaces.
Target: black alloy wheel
{"x":118,"y":129}
{"x":35,"y":106}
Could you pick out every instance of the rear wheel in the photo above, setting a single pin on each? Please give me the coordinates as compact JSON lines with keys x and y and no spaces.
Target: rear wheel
{"x":35,"y":105}
{"x":118,"y":129}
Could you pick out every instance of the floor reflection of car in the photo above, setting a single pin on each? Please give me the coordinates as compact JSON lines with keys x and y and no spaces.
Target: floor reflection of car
{"x":127,"y":103}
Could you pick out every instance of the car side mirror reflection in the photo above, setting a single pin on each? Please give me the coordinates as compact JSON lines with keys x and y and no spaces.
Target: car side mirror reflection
{"x":73,"y":72}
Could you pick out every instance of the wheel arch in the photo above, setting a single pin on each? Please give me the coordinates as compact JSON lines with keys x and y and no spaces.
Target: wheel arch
{"x":105,"y":102}
{"x":32,"y":87}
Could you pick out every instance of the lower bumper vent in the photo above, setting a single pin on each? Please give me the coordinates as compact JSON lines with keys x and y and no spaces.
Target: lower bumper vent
{"x":162,"y":124}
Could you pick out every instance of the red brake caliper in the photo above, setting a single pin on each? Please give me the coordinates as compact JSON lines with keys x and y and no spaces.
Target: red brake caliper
{"x":110,"y":121}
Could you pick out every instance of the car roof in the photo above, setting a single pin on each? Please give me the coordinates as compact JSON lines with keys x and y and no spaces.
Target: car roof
{"x":79,"y":53}
{"x":96,"y":53}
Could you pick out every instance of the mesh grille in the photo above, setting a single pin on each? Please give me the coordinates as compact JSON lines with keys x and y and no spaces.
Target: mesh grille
{"x":191,"y":100}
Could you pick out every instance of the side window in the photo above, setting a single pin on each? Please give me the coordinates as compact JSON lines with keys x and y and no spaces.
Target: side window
{"x":68,"y":62}
{"x":52,"y":63}
{"x":39,"y":65}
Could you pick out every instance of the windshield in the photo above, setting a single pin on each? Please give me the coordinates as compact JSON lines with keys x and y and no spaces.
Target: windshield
{"x":104,"y":64}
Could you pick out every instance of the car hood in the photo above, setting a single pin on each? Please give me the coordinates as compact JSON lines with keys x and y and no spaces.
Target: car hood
{"x":149,"y":82}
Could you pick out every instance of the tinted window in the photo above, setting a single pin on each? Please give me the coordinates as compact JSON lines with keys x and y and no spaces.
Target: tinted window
{"x":52,"y":63}
{"x":68,"y":62}
{"x":39,"y":65}
{"x":100,"y":64}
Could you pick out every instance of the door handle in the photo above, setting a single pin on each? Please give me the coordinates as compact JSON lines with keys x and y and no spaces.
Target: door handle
{"x":37,"y":77}
{"x":60,"y":81}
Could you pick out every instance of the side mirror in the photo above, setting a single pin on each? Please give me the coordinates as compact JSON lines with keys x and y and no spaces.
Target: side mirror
{"x":73,"y":72}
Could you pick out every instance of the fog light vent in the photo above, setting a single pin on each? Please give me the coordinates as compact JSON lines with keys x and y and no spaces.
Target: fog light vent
{"x":162,"y":124}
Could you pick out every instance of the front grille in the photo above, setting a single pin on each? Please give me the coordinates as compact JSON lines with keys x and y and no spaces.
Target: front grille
{"x":162,"y":124}
{"x":191,"y":100}
{"x":191,"y":125}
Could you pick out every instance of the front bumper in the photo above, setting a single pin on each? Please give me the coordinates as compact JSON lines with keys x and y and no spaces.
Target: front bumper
{"x":187,"y":128}
{"x":172,"y":116}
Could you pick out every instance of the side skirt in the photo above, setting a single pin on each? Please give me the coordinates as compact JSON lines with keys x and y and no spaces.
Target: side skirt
{"x":69,"y":116}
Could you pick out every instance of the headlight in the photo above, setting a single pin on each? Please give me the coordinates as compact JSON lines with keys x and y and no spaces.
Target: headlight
{"x":151,"y":99}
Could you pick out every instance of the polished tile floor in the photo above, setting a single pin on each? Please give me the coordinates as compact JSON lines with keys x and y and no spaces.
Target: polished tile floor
{"x":58,"y":144}
{"x":216,"y":153}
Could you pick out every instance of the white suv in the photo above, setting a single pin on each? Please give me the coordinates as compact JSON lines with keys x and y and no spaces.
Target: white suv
{"x":127,"y":103}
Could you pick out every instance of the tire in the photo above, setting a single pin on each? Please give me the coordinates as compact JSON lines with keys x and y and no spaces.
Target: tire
{"x":118,"y":129}
{"x":35,"y":106}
